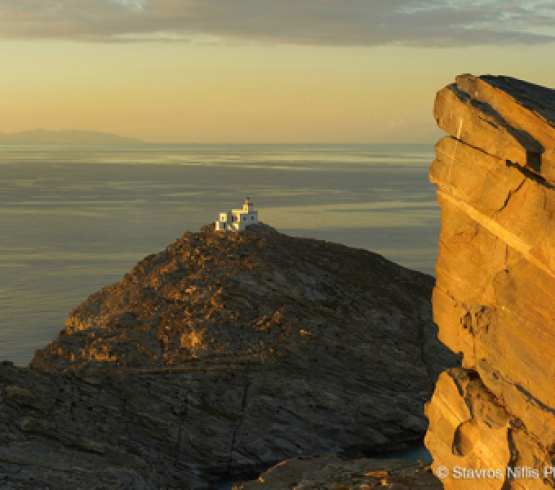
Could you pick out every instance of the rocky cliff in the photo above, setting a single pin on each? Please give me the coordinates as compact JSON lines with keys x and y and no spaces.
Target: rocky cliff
{"x":494,"y":299}
{"x":222,"y":355}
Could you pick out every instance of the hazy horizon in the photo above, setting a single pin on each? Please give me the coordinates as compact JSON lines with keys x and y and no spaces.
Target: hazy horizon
{"x":68,"y":132}
{"x":258,"y":71}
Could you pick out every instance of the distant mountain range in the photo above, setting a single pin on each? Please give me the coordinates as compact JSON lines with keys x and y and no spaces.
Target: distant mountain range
{"x":67,"y":137}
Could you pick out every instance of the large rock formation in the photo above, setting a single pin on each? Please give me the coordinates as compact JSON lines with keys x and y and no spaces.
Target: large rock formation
{"x":225,"y":354}
{"x":494,"y":300}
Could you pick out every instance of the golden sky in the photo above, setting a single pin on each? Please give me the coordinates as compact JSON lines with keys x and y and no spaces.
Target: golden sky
{"x":257,"y":71}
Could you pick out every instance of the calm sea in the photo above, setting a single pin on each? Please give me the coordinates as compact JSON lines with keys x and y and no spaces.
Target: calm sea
{"x":75,"y":219}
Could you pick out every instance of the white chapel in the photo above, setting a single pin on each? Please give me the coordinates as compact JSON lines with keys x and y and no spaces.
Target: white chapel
{"x":238,"y":219}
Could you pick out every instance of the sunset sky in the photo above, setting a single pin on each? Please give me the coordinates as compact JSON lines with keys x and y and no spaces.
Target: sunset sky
{"x":257,"y":70}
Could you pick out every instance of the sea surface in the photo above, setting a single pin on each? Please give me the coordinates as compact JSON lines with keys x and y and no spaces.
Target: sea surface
{"x":74,"y":218}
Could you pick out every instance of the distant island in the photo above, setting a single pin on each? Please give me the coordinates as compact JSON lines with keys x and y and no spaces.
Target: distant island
{"x":66,"y":137}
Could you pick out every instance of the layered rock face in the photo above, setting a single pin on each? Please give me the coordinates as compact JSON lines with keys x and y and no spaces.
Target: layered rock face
{"x":222,"y":355}
{"x":494,"y":300}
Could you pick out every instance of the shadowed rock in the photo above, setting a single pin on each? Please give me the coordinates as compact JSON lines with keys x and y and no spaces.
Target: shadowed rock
{"x":221,"y":355}
{"x":330,"y":472}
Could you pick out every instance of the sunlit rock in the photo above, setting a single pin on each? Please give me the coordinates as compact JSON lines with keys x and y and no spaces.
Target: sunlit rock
{"x":494,"y":300}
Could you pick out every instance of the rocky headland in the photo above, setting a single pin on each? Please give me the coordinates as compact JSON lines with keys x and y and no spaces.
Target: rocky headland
{"x":494,"y":300}
{"x":223,"y":355}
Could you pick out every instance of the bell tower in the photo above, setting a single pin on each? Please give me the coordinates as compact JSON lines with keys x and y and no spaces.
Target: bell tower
{"x":247,"y":205}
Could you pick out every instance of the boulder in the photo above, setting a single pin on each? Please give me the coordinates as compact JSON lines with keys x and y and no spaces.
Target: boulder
{"x":332,"y":472}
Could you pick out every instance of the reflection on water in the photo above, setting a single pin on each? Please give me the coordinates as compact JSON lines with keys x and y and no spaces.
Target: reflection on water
{"x":74,"y":219}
